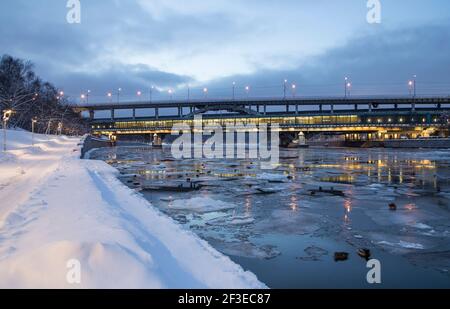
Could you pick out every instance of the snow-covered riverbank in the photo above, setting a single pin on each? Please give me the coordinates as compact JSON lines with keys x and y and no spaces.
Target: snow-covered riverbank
{"x":56,"y":209}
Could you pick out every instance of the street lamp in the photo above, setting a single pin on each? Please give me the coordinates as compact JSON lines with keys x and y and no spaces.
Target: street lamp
{"x":234,"y":90}
{"x":151,"y":93}
{"x":412,"y":86}
{"x":294,"y":89}
{"x":118,"y":94}
{"x":412,"y":90}
{"x":139,"y":94}
{"x":285,"y":88}
{"x":33,"y":123}
{"x":170,"y":93}
{"x":347,"y":86}
{"x":60,"y":126}
{"x":110,"y":97}
{"x":205,"y":92}
{"x":247,"y":90}
{"x":6,"y":116}
{"x":87,"y":96}
{"x":83,"y":97}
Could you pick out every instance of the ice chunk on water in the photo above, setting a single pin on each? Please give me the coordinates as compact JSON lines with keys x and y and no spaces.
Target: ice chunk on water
{"x":272,"y":177}
{"x":422,"y":226}
{"x":402,"y":244}
{"x":231,"y":220}
{"x":201,"y":205}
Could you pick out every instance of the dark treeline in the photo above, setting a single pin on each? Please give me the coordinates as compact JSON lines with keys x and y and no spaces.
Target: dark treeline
{"x":29,"y":97}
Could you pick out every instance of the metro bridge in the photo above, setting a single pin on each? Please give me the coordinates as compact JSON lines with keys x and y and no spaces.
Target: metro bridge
{"x":374,"y":117}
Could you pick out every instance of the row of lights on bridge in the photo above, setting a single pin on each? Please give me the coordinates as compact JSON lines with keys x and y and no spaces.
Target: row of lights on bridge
{"x":286,"y":87}
{"x":401,"y":120}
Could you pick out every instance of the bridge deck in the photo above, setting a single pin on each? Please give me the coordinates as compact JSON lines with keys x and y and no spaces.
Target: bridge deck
{"x":266,"y":102}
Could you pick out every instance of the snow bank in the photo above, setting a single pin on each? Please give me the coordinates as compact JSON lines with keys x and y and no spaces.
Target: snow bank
{"x":63,"y":210}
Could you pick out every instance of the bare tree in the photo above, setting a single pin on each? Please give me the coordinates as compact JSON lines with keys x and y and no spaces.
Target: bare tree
{"x":31,"y":98}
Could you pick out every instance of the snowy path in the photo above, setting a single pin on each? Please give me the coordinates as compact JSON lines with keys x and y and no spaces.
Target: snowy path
{"x":64,"y":209}
{"x":19,"y":178}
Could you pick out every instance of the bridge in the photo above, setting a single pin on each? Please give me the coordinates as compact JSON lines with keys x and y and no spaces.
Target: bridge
{"x":362,"y":117}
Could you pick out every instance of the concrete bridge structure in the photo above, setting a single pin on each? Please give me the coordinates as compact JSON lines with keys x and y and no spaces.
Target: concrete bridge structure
{"x":365,"y":118}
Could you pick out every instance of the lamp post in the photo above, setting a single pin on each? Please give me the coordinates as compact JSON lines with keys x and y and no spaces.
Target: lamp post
{"x":60,"y":127}
{"x":139,"y":94}
{"x":412,"y":86}
{"x":205,"y":92}
{"x":234,"y":91}
{"x":109,"y":94}
{"x":247,"y":90}
{"x":49,"y":126}
{"x":33,"y":123}
{"x":294,"y":90}
{"x":346,"y":84}
{"x":83,"y":98}
{"x":6,"y":116}
{"x":118,"y":94}
{"x":87,"y":96}
{"x":170,"y":94}
{"x":151,"y":93}
{"x":412,"y":91}
{"x":348,"y":87}
{"x":285,"y":89}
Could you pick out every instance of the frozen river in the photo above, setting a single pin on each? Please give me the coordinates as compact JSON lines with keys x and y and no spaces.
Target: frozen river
{"x":280,"y":225}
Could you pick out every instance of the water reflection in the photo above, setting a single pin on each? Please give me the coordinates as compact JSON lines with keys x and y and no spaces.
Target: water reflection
{"x":269,"y":206}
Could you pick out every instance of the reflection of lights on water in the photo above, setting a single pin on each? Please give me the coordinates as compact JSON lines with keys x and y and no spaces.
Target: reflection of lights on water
{"x":410,"y":207}
{"x":294,"y":203}
{"x":348,"y":209}
{"x":348,"y":206}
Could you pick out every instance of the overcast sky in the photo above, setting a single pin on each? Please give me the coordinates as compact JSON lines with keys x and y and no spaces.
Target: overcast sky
{"x":170,"y":44}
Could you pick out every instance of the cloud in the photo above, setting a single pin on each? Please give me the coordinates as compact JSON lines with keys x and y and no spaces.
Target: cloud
{"x":171,"y":43}
{"x":377,"y":63}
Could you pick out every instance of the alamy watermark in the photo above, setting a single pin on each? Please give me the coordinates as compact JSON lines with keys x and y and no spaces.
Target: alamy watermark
{"x":374,"y":274}
{"x":374,"y":13}
{"x":234,"y":141}
{"x":74,"y":13}
{"x":73,"y":275}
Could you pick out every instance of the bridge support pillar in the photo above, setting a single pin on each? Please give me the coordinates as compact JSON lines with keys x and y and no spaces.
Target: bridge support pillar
{"x":356,"y":107}
{"x":113,"y":116}
{"x":265,"y":109}
{"x":296,"y":109}
{"x":156,"y":112}
{"x":180,"y":112}
{"x":332,"y":108}
{"x":287,"y":108}
{"x":134,"y":113}
{"x":91,"y":115}
{"x":370,"y":108}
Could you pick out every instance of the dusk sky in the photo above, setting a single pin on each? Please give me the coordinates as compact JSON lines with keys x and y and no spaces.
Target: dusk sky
{"x":170,"y":44}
